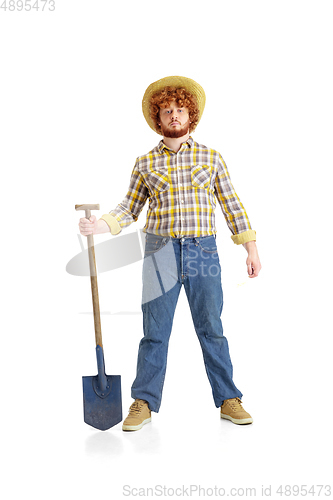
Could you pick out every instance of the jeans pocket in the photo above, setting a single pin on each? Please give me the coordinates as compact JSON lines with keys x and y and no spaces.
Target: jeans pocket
{"x":154,"y":243}
{"x":208,"y":245}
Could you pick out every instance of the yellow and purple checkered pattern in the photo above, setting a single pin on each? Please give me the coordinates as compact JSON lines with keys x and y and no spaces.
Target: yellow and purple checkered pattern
{"x":182,"y":189}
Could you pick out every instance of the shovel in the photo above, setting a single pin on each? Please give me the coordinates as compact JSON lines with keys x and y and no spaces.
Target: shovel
{"x":101,"y":393}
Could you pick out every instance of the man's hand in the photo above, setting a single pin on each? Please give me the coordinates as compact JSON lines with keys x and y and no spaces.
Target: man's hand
{"x":252,"y":261}
{"x":93,"y":226}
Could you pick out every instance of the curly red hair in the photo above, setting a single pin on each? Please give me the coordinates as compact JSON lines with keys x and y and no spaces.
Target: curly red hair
{"x":183,"y":98}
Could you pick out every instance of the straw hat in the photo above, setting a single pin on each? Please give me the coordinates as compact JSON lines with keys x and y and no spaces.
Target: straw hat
{"x":172,"y":81}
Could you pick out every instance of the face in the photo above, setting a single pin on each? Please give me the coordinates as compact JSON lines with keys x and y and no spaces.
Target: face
{"x":174,"y":120}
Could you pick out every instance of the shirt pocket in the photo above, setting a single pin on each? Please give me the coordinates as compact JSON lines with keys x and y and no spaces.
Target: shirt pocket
{"x":158,"y":180}
{"x":200,"y":176}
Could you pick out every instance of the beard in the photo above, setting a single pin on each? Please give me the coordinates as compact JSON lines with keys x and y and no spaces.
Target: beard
{"x":174,"y":133}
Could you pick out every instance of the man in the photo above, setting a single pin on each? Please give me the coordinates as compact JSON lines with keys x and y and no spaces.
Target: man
{"x":182,"y":181}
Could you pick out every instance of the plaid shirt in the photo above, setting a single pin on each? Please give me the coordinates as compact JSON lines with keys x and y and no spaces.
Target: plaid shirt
{"x":182,"y":189}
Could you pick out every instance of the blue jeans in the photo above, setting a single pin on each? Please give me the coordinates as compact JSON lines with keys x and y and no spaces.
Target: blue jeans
{"x":168,"y":264}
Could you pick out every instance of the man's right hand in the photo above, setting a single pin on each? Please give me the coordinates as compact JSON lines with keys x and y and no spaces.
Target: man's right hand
{"x":93,"y":226}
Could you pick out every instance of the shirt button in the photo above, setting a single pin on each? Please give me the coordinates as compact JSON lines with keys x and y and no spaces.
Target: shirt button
{"x":182,"y":201}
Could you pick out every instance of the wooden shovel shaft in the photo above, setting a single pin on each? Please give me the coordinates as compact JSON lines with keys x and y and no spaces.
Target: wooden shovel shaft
{"x":94,"y":291}
{"x":93,"y":277}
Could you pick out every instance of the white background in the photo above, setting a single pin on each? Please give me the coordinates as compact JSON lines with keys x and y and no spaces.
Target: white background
{"x":72,"y":81}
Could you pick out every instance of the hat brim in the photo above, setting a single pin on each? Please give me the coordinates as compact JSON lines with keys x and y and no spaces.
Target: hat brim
{"x":172,"y":81}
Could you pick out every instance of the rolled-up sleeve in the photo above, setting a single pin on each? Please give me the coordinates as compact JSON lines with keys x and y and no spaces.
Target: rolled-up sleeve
{"x":232,"y":208}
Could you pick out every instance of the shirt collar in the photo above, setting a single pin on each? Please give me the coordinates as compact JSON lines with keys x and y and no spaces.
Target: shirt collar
{"x":161,"y":146}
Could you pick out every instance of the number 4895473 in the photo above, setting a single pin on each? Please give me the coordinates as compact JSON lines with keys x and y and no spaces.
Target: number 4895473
{"x":19,"y":5}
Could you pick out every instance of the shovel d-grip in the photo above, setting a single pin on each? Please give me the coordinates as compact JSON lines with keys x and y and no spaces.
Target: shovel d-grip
{"x":101,"y":393}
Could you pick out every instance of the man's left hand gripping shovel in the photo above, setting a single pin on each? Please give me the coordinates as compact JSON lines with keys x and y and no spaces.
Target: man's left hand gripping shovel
{"x":101,"y":393}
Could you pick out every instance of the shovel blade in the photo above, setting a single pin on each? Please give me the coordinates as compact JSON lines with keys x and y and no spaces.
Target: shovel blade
{"x":102,"y":411}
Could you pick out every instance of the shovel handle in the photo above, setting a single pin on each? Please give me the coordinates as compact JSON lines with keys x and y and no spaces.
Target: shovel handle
{"x":93,"y":275}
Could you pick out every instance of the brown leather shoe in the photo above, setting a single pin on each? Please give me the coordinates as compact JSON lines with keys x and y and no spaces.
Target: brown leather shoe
{"x":139,"y":415}
{"x":232,"y":409}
